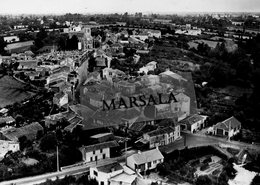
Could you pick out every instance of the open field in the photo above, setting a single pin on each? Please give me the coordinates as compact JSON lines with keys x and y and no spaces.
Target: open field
{"x":12,"y":91}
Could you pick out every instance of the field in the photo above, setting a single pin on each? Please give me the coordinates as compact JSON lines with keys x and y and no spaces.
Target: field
{"x":194,"y":44}
{"x":12,"y":91}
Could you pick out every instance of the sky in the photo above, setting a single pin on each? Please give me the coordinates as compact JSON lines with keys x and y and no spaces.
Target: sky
{"x":121,"y":6}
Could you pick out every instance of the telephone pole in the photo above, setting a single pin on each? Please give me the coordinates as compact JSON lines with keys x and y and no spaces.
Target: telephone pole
{"x":58,"y":166}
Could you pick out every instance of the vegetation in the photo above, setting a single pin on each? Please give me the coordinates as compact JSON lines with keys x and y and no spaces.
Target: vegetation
{"x":69,"y":180}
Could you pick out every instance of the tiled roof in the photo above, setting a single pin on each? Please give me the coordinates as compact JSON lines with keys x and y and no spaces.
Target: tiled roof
{"x":101,"y":135}
{"x":192,"y":119}
{"x":137,"y":126}
{"x":19,"y":44}
{"x":99,"y":146}
{"x":29,"y":131}
{"x":160,"y":131}
{"x":147,"y":156}
{"x":232,"y":121}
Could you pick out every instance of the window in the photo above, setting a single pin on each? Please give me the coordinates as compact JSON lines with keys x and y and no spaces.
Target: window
{"x":90,"y":158}
{"x":101,"y":150}
{"x":101,"y":183}
{"x":95,"y":173}
{"x":154,"y":162}
{"x":149,"y":164}
{"x":94,"y":152}
{"x":104,"y":156}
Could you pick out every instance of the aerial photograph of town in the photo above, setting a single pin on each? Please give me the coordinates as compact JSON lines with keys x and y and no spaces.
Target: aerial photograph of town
{"x":129,"y":92}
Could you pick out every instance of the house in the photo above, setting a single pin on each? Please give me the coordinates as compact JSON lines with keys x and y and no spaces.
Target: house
{"x":117,"y":48}
{"x":104,"y":172}
{"x":57,"y":78}
{"x":143,"y":161}
{"x":10,"y":39}
{"x":19,"y":47}
{"x":151,"y":66}
{"x":193,"y":123}
{"x":29,"y":131}
{"x":97,"y":151}
{"x":123,"y":179}
{"x":103,"y":137}
{"x":161,"y":136}
{"x":75,"y":121}
{"x":155,"y":33}
{"x":61,"y":99}
{"x":6,"y":146}
{"x":27,"y":64}
{"x":109,"y":73}
{"x":228,"y":127}
{"x":126,"y":87}
{"x":6,"y":120}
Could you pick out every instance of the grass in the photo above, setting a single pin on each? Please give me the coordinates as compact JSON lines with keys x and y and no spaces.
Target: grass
{"x":12,"y":91}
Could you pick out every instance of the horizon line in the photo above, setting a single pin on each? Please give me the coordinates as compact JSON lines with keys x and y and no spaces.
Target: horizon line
{"x":144,"y":12}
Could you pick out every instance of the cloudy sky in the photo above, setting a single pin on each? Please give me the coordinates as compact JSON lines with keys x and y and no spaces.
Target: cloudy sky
{"x":107,"y":6}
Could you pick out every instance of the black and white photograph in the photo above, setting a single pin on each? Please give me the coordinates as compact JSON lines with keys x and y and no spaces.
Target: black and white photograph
{"x":129,"y":92}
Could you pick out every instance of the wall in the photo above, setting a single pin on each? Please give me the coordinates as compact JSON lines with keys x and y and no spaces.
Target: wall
{"x":98,"y":154}
{"x":103,"y":176}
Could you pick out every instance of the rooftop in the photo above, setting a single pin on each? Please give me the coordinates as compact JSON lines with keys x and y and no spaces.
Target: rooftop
{"x":19,"y":44}
{"x":232,"y":122}
{"x":99,"y":146}
{"x":160,"y":131}
{"x":29,"y":131}
{"x":147,"y":156}
{"x":192,"y":119}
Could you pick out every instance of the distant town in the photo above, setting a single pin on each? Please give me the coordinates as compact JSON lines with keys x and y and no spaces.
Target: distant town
{"x":130,"y":99}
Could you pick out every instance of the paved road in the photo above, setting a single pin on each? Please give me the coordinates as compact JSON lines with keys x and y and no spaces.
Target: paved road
{"x":195,"y":140}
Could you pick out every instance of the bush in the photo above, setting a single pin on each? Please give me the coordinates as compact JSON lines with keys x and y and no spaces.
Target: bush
{"x":163,"y":169}
{"x":204,"y":167}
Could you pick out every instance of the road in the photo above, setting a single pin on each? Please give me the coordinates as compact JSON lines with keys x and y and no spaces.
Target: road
{"x":196,"y":140}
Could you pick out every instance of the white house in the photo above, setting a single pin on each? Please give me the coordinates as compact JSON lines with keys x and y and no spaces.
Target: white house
{"x":6,"y":146}
{"x":10,"y":39}
{"x":143,"y":161}
{"x":155,"y":33}
{"x":123,"y":179}
{"x":193,"y":123}
{"x":98,"y":151}
{"x":161,"y":136}
{"x":228,"y":127}
{"x":151,"y":66}
{"x":109,"y":73}
{"x":104,"y":172}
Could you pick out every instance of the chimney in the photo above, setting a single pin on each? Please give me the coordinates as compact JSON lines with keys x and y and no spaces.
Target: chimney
{"x":157,"y":148}
{"x":112,"y":169}
{"x":139,"y":152}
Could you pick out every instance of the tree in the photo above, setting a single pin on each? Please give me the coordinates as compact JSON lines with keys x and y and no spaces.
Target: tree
{"x":24,"y":142}
{"x":65,"y":155}
{"x":2,"y":46}
{"x":48,"y":142}
{"x":72,"y":43}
